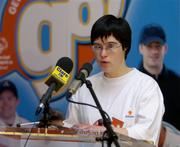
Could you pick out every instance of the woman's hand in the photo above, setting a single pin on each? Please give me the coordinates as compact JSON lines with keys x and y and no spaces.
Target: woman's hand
{"x":92,"y":128}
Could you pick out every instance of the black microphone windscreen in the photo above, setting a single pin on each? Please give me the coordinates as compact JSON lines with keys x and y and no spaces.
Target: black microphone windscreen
{"x":60,"y":75}
{"x":65,"y":63}
{"x":88,"y":67}
{"x":79,"y":79}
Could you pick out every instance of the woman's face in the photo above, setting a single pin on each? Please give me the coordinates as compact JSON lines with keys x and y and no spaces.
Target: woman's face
{"x":109,"y":55}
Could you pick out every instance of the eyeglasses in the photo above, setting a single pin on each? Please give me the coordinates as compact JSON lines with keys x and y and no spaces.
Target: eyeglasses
{"x":109,"y":47}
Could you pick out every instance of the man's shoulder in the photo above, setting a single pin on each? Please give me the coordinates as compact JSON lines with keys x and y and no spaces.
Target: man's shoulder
{"x":172,"y":77}
{"x":173,"y":74}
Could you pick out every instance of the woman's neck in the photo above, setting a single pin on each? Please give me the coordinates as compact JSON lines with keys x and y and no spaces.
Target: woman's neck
{"x":122,"y":71}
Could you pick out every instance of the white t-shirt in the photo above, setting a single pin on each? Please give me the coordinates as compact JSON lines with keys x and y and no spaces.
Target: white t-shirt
{"x":18,"y":120}
{"x":134,"y":98}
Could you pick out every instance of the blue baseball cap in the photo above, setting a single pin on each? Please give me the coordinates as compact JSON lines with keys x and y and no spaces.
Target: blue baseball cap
{"x":8,"y":85}
{"x":152,"y":33}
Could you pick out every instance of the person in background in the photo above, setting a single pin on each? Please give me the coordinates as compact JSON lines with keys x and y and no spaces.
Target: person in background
{"x":8,"y":102}
{"x":125,"y":93}
{"x":153,"y":48}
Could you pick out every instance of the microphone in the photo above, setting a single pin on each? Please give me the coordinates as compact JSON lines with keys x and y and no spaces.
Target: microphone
{"x":56,"y":80}
{"x":78,"y":82}
{"x":60,"y":75}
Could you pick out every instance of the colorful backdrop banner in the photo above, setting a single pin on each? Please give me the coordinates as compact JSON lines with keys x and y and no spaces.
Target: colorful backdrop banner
{"x":35,"y":34}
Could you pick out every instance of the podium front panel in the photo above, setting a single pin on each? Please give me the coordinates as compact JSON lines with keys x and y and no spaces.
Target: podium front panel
{"x":17,"y":137}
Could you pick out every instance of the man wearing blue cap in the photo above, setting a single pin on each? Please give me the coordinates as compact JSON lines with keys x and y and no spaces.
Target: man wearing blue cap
{"x":8,"y":103}
{"x":153,"y":48}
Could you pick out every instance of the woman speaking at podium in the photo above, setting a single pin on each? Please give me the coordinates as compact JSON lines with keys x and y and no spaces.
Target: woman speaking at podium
{"x":126,"y":94}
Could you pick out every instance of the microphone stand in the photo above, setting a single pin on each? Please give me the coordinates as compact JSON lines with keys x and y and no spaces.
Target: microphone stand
{"x":42,"y":122}
{"x":46,"y":117}
{"x":44,"y":104}
{"x":111,"y":135}
{"x":44,"y":101}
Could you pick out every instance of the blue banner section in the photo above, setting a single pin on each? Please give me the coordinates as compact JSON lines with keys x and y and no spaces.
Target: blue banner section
{"x":163,"y":12}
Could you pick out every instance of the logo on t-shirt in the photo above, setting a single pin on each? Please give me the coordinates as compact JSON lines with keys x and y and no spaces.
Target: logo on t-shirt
{"x":129,"y":114}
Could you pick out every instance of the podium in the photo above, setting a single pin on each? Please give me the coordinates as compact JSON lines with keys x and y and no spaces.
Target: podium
{"x":63,"y":137}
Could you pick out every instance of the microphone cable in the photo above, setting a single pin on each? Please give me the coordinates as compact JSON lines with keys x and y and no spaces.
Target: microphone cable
{"x":103,"y":138}
{"x":80,"y":103}
{"x":25,"y":144}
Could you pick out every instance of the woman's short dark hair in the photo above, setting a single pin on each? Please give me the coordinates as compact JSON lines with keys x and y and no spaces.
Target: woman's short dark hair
{"x":108,"y":25}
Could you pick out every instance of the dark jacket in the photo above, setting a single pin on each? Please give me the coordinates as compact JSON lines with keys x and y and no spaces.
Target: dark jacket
{"x":169,"y":83}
